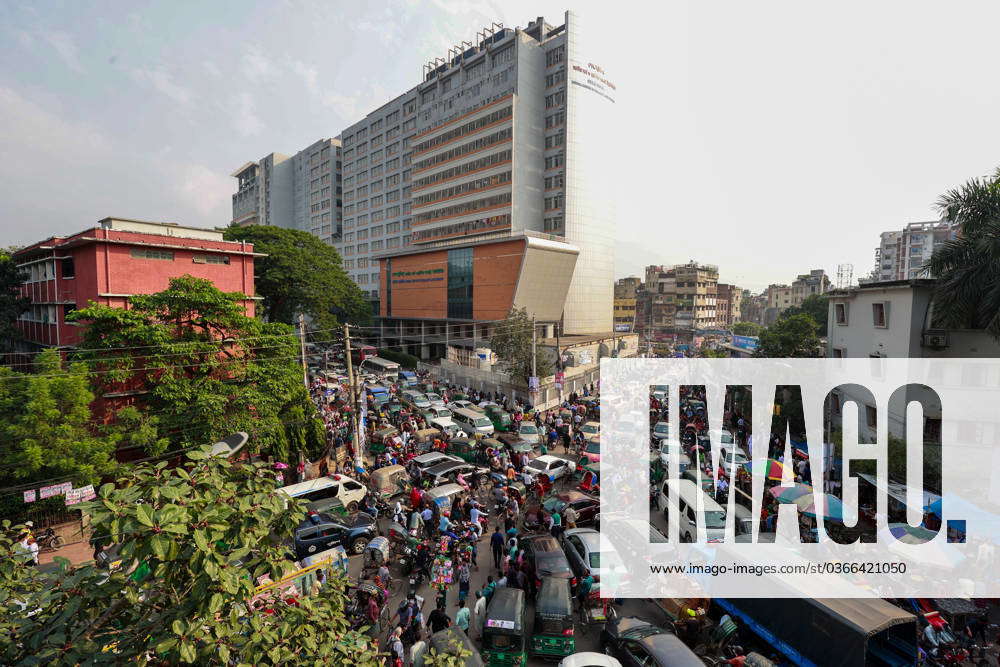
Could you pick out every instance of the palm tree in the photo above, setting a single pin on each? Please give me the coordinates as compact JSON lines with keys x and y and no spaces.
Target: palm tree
{"x":967,"y":295}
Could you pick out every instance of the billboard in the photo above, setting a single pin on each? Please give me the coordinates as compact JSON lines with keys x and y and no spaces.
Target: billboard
{"x":748,"y":343}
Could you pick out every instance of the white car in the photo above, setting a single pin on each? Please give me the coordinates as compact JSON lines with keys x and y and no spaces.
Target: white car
{"x":529,"y":432}
{"x":461,"y":404}
{"x":589,"y":659}
{"x":350,"y":492}
{"x":661,"y":431}
{"x":431,"y":459}
{"x":684,"y":461}
{"x":591,"y":431}
{"x":434,"y":399}
{"x":733,"y":455}
{"x":553,"y":466}
{"x":726,"y":438}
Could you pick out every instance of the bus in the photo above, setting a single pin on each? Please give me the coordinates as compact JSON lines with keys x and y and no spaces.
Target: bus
{"x":362,"y":352}
{"x":380,"y":366}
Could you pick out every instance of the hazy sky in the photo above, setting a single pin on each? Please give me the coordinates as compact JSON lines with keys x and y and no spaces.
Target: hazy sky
{"x":766,"y":137}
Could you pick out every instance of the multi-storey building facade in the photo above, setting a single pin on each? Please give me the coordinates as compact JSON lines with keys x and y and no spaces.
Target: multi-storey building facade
{"x":505,"y":137}
{"x":729,"y":302}
{"x":298,"y":192}
{"x":625,"y":303}
{"x":809,"y":284}
{"x":696,"y":296}
{"x":113,"y":261}
{"x":506,"y":134}
{"x":901,"y":255}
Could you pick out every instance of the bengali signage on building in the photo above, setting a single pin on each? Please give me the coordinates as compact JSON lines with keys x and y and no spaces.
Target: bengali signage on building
{"x":592,"y":77}
{"x":748,"y":343}
{"x":424,"y":276}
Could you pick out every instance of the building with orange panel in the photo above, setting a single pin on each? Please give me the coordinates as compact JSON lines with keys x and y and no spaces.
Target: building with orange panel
{"x":455,"y":296}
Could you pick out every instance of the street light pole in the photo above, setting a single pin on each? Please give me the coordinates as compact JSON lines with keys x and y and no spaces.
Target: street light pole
{"x":355,"y":432}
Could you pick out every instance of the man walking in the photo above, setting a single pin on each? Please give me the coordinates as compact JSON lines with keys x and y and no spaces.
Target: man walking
{"x":496,"y":545}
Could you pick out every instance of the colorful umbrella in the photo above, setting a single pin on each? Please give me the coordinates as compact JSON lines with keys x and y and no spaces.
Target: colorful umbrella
{"x":908,"y":534}
{"x":789,"y":494}
{"x":833,"y":508}
{"x":770,"y":469}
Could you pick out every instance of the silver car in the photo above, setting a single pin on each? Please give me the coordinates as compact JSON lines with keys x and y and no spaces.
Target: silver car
{"x":530,"y":432}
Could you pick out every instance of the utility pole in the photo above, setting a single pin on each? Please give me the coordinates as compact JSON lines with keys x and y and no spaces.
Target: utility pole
{"x":559,"y":363}
{"x":302,"y":348}
{"x":534,"y":348}
{"x":355,"y":432}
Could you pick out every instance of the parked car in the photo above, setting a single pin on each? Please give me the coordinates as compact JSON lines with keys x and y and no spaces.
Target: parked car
{"x":447,"y":471}
{"x":733,"y":455}
{"x":553,"y":466}
{"x":638,"y":643}
{"x":545,"y":558}
{"x":434,"y":399}
{"x":591,"y":431}
{"x":320,"y":532}
{"x":350,"y":492}
{"x":528,"y":431}
{"x":583,"y":550}
{"x":589,"y":659}
{"x":431,"y":459}
{"x":587,"y":507}
{"x":661,"y":431}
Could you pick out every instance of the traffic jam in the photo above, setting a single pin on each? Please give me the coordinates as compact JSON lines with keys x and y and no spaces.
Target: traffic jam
{"x":467,"y":522}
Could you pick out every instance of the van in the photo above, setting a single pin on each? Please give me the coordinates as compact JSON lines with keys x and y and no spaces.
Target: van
{"x":472,"y":420}
{"x":350,"y":492}
{"x":688,"y":494}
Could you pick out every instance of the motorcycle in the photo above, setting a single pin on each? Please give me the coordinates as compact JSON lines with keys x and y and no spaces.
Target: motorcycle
{"x":49,"y":541}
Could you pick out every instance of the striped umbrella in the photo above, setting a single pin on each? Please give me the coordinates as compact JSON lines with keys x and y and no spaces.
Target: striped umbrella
{"x":789,"y":494}
{"x":769,"y":469}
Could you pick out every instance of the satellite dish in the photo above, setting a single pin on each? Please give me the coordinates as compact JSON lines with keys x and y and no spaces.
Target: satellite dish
{"x":230,"y":445}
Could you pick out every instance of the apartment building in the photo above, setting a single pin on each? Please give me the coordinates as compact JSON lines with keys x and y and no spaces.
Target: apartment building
{"x":114,"y":260}
{"x":815,"y":282}
{"x":902,"y":254}
{"x":301,"y":191}
{"x":696,"y":290}
{"x":625,"y":303}
{"x":728,"y":304}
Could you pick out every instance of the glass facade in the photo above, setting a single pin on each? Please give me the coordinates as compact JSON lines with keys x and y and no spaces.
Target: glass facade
{"x":460,"y":284}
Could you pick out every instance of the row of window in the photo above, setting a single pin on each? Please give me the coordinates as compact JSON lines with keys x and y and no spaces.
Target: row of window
{"x":470,"y":147}
{"x":464,"y":188}
{"x":555,"y":120}
{"x":465,"y":168}
{"x":554,"y":161}
{"x":459,"y":228}
{"x":880,"y":314}
{"x":555,"y":202}
{"x":555,"y":77}
{"x":555,"y":140}
{"x":554,"y":224}
{"x":466,"y":207}
{"x":555,"y":99}
{"x":555,"y":56}
{"x":557,"y":181}
{"x":464,"y":129}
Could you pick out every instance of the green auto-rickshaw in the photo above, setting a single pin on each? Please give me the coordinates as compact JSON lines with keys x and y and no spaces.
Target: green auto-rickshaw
{"x":500,"y":419}
{"x":554,"y":631}
{"x":504,"y":640}
{"x":464,"y":448}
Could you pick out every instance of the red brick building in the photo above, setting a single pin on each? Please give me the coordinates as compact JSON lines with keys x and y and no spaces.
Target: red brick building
{"x":115,"y":260}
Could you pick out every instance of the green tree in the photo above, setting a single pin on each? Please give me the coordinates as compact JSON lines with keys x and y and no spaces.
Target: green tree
{"x":511,"y":342}
{"x":193,"y":540}
{"x":793,"y":336}
{"x":12,"y":304}
{"x":746,"y":329}
{"x":967,"y":294}
{"x":47,"y":426}
{"x":203,"y":368}
{"x":301,"y":274}
{"x":815,"y":306}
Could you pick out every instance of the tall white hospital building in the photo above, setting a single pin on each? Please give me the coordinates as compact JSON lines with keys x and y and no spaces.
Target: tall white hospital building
{"x":489,"y":184}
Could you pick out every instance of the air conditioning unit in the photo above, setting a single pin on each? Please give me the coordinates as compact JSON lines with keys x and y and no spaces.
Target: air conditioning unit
{"x":935,"y":338}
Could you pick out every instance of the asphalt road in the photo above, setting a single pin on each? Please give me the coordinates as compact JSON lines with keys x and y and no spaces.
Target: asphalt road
{"x":587,"y":638}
